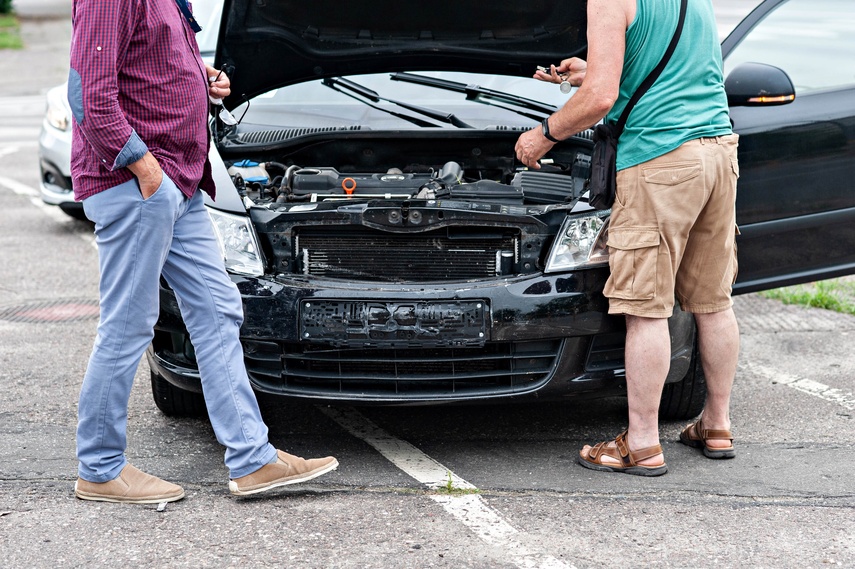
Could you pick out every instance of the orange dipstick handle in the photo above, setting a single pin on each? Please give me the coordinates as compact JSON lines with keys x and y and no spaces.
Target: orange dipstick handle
{"x":348,"y":185}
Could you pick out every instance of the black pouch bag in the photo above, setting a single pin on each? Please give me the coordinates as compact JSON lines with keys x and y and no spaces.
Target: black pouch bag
{"x":602,"y":185}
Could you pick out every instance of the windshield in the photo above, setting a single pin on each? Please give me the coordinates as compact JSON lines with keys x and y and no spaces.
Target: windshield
{"x":312,"y":104}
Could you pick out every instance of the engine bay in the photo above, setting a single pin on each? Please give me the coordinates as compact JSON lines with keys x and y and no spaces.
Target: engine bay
{"x":274,"y":182}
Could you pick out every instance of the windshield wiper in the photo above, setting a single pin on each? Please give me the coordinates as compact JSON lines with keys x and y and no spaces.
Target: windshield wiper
{"x":514,"y":103}
{"x":337,"y":83}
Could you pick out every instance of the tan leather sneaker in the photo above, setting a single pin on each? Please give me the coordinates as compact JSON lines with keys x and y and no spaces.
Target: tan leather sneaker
{"x":288,"y":469}
{"x":132,"y":486}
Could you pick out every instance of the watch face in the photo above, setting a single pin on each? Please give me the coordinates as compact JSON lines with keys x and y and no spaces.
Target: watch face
{"x":565,"y":87}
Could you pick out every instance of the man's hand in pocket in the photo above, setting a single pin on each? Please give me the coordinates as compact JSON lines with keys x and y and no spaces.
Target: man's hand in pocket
{"x":149,"y":174}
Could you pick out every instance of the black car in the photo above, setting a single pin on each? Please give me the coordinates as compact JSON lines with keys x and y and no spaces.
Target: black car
{"x":389,"y":248}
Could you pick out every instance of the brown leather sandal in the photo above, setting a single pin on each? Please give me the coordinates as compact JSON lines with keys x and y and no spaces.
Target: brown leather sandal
{"x":695,"y":435}
{"x":628,"y":459}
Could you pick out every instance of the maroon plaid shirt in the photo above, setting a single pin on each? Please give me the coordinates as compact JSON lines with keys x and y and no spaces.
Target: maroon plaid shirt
{"x":136,"y":84}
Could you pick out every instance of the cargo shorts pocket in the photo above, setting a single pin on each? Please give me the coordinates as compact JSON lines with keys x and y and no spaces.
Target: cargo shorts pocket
{"x":633,"y":255}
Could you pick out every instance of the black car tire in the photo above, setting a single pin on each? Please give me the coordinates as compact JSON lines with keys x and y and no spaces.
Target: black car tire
{"x":174,"y":401}
{"x":685,"y":398}
{"x":76,"y":213}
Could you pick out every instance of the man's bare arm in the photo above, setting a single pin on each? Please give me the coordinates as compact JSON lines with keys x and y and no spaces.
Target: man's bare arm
{"x":607,"y":23}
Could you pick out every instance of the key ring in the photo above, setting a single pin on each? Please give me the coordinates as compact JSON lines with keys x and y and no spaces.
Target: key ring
{"x":565,"y":85}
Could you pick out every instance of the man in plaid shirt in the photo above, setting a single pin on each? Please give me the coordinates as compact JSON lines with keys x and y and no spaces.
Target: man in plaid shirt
{"x":139,"y":92}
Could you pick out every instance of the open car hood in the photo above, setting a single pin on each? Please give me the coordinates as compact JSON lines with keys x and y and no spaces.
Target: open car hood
{"x":272,"y":43}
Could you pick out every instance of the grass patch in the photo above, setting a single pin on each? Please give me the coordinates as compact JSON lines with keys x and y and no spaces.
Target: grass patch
{"x":10,"y":32}
{"x":835,"y":294}
{"x":451,"y":489}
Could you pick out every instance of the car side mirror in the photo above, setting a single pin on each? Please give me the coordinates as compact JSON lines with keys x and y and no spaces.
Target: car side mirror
{"x":758,"y":84}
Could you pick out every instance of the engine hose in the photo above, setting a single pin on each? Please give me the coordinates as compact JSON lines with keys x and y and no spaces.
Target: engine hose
{"x":285,"y":186}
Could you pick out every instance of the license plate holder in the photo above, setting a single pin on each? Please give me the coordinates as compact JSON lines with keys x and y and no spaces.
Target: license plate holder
{"x":387,"y":323}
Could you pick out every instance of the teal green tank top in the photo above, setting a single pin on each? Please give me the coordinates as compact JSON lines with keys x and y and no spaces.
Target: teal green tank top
{"x":688,"y":100}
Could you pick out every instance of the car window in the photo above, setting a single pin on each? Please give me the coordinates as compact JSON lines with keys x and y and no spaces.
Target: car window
{"x":812,"y":40}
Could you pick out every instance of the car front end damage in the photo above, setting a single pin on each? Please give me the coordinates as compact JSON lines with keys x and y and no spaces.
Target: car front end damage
{"x":463,"y":277}
{"x":545,"y":337}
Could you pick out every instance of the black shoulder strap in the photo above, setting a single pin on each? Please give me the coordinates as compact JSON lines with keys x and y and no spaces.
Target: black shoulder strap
{"x":654,"y":75}
{"x":188,"y":15}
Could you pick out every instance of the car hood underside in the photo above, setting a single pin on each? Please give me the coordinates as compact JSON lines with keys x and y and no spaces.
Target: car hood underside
{"x":273,"y":43}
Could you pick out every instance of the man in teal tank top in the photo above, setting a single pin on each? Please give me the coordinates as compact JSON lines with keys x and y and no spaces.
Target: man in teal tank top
{"x":673,"y":224}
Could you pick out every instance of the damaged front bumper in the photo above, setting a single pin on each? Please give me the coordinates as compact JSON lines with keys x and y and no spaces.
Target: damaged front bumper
{"x":544,"y":336}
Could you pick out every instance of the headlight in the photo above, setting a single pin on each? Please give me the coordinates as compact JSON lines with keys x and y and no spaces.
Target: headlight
{"x":238,"y":243}
{"x":58,"y":114}
{"x":581,"y":242}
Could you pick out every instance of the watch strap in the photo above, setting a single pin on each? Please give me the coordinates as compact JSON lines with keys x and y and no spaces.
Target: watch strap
{"x":545,"y":126}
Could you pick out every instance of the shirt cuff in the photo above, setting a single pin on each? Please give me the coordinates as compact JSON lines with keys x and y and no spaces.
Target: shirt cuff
{"x":133,"y":150}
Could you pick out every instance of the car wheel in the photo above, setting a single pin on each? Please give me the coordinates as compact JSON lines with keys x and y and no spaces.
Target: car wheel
{"x":174,"y":401}
{"x":685,"y":398}
{"x":76,"y":213}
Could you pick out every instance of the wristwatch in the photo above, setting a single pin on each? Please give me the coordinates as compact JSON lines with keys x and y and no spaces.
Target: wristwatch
{"x":545,"y":125}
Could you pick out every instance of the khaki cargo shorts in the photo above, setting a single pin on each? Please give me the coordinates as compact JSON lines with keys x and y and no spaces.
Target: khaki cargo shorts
{"x":672,"y":231}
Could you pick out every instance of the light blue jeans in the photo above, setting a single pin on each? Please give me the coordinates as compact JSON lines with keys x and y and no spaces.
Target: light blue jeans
{"x":138,"y":240}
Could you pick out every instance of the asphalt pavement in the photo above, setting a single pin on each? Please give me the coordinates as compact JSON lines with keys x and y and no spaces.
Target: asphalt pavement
{"x":517,"y":500}
{"x":43,"y":63}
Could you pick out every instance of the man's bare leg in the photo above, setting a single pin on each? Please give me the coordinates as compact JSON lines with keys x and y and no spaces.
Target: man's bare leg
{"x":718,"y":337}
{"x":648,"y":359}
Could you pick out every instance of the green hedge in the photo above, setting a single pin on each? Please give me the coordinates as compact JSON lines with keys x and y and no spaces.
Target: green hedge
{"x":5,"y":6}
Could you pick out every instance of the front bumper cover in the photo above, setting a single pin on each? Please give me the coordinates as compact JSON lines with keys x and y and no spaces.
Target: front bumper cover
{"x":543,"y":336}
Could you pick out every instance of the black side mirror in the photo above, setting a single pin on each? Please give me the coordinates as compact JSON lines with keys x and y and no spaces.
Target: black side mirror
{"x":758,"y":84}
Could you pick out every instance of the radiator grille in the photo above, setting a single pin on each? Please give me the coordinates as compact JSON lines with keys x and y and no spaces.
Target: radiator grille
{"x":378,"y":374}
{"x":411,"y":257}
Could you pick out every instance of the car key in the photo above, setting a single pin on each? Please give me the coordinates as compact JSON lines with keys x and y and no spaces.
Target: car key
{"x":565,"y":85}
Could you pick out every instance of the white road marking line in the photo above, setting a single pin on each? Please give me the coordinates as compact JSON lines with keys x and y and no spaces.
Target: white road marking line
{"x":472,"y":511}
{"x":400,"y":453}
{"x":469,"y":509}
{"x":35,"y":101}
{"x":18,"y":187}
{"x":809,"y":386}
{"x":15,"y":145}
{"x":51,"y":211}
{"x":13,"y":134}
{"x":8,"y":150}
